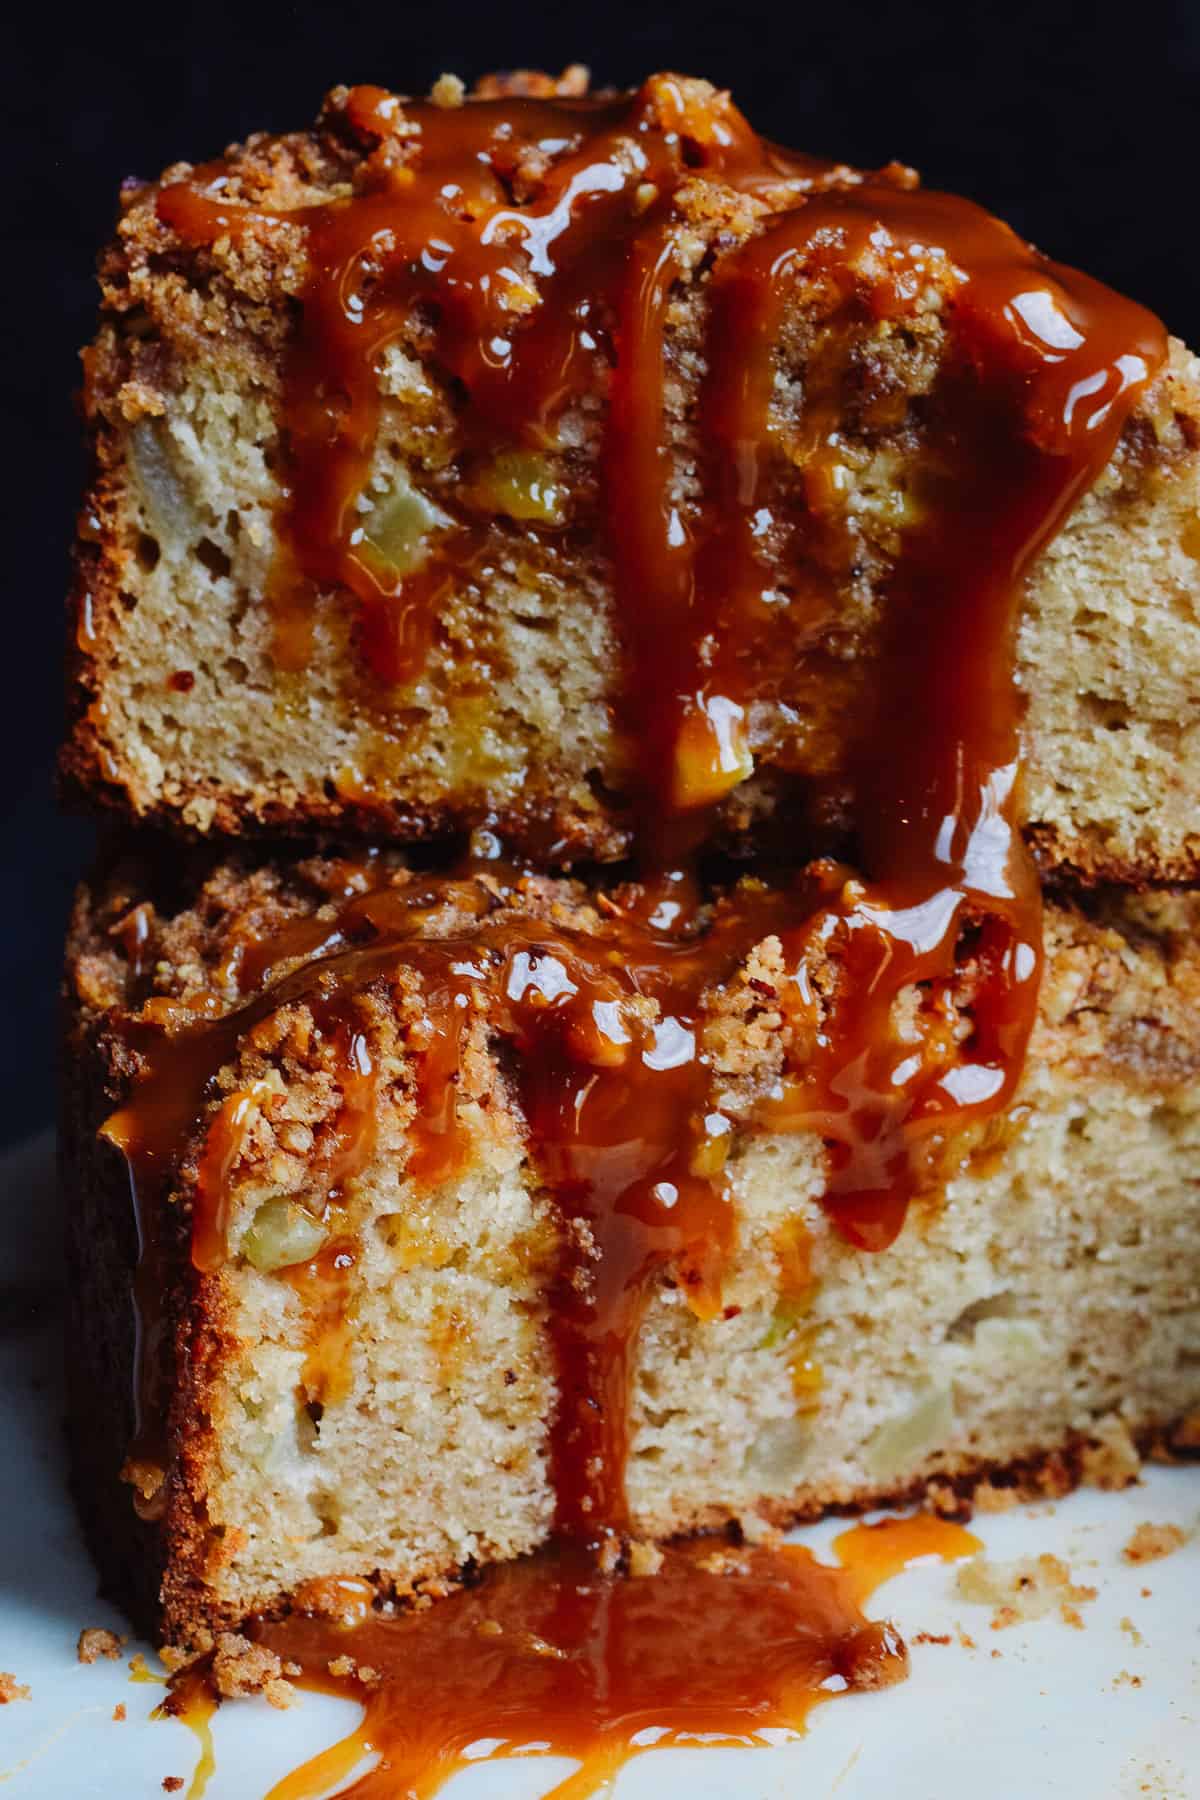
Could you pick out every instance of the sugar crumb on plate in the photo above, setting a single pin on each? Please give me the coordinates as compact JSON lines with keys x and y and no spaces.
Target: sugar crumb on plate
{"x":1027,"y":1589}
{"x":1149,"y":1542}
{"x":95,"y":1641}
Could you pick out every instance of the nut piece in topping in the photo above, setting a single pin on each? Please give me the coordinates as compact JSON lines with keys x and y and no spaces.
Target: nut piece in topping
{"x":644,"y":1558}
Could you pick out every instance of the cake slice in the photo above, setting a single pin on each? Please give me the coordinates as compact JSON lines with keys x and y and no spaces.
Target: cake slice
{"x":469,"y":1205}
{"x":545,"y":463}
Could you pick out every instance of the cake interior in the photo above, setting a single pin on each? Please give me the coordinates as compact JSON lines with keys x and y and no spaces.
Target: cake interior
{"x":370,"y":1367}
{"x":682,"y":498}
{"x":475,"y":612}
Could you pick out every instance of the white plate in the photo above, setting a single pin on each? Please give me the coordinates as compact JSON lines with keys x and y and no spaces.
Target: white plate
{"x":1039,"y":1709}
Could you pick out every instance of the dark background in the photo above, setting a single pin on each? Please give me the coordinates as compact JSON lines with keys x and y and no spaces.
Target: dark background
{"x":1078,"y":125}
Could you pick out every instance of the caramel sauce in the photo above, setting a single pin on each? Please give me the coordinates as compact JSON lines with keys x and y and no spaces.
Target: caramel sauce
{"x":910,"y":981}
{"x":532,"y":301}
{"x":543,"y":244}
{"x":536,"y":299}
{"x":548,"y":1656}
{"x":615,"y":1090}
{"x":325,"y":1286}
{"x":194,"y":1704}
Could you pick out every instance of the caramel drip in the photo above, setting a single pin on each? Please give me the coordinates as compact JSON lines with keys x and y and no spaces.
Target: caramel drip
{"x":521,"y":293}
{"x":539,"y":247}
{"x":615,"y":1091}
{"x":324,"y":1286}
{"x":1026,"y":413}
{"x":543,"y":242}
{"x":547,"y":1655}
{"x":536,"y":301}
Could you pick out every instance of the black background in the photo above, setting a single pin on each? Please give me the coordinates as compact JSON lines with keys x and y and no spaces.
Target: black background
{"x":1077,"y":124}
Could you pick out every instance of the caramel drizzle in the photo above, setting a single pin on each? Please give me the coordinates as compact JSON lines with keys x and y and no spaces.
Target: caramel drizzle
{"x":534,"y":302}
{"x":549,"y":1655}
{"x":615,"y":1097}
{"x":523,"y":296}
{"x":1043,"y":367}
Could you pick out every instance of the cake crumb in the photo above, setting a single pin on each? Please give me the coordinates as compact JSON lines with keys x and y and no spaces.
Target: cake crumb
{"x":436,"y":1587}
{"x":644,"y":1558}
{"x":1111,"y":1460}
{"x":173,"y":1659}
{"x":11,"y":1688}
{"x":1132,"y":1633}
{"x":992,"y":1497}
{"x":240,"y":1668}
{"x":932,"y":1637}
{"x":448,"y":91}
{"x":1027,"y":1589}
{"x":118,"y":1713}
{"x":1125,"y":1679}
{"x":172,"y":1783}
{"x":757,"y":1530}
{"x":95,"y":1642}
{"x":1149,"y":1542}
{"x":342,"y":1667}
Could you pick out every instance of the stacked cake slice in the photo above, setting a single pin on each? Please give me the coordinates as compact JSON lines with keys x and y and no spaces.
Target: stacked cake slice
{"x":691,"y":598}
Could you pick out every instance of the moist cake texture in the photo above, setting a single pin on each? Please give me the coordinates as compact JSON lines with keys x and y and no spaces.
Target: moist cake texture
{"x":812,"y":567}
{"x":539,"y":461}
{"x":364,"y":1222}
